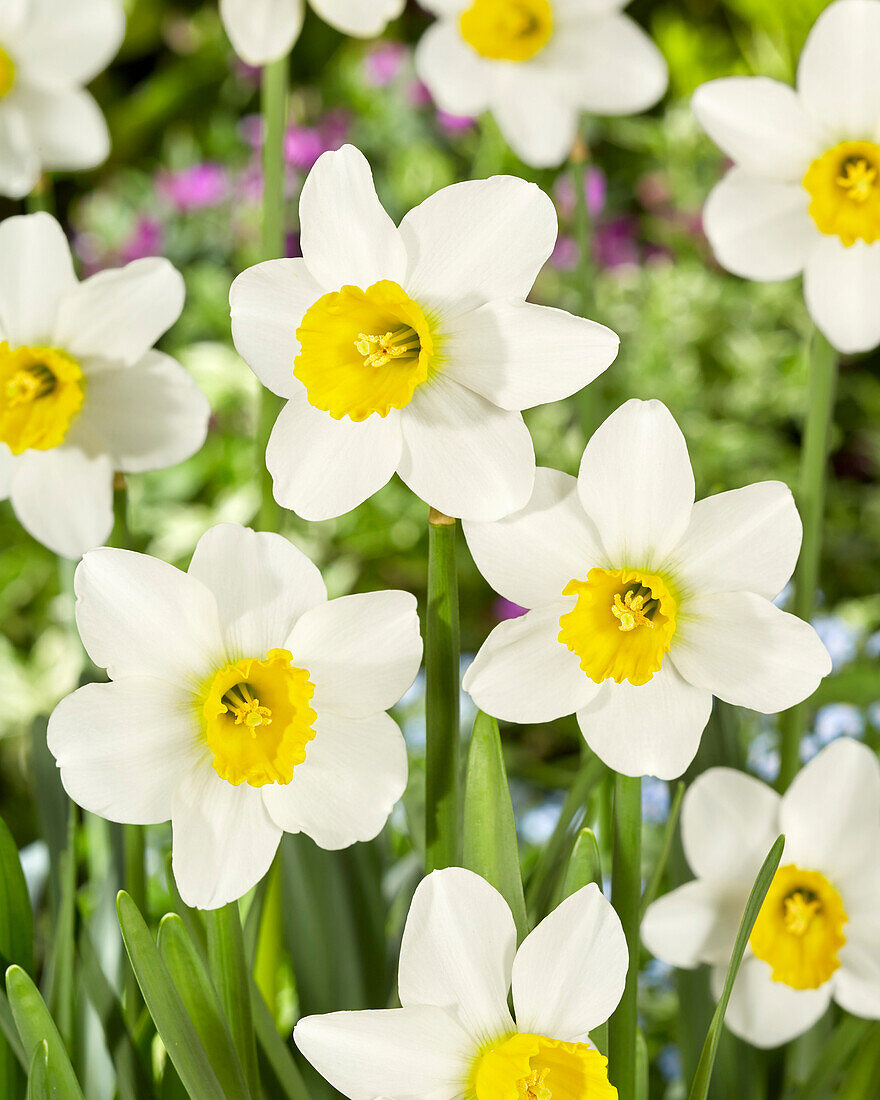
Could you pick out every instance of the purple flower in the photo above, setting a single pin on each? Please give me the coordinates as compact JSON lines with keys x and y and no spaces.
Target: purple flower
{"x":302,"y":147}
{"x":146,"y":240}
{"x":194,"y":188}
{"x":595,"y":189}
{"x":565,"y":254}
{"x":418,"y":95}
{"x":614,"y":244}
{"x":453,"y":124}
{"x":382,"y":65}
{"x":506,"y":609}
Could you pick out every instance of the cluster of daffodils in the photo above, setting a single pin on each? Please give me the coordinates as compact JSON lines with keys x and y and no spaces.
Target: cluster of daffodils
{"x":804,"y":192}
{"x":642,"y":603}
{"x":817,"y":936}
{"x":242,"y":703}
{"x":49,"y":49}
{"x":82,"y":392}
{"x":454,"y":1035}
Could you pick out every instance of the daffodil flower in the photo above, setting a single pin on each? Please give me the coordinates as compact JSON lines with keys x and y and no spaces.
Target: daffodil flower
{"x":411,"y":349}
{"x":50,"y":49}
{"x":82,"y":393}
{"x":455,"y":1036}
{"x":817,"y":936}
{"x":643,"y":604}
{"x":264,"y":30}
{"x":804,"y":193}
{"x":242,"y":704}
{"x":536,"y":65}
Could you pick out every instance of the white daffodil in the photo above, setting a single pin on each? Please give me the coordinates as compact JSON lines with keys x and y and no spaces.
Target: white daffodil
{"x":817,"y":936}
{"x":49,"y":49}
{"x":264,"y":30}
{"x":82,"y":393}
{"x":455,"y":1037}
{"x":242,"y":704}
{"x":804,"y":194}
{"x":411,"y":349}
{"x":643,"y":604}
{"x":536,"y":65}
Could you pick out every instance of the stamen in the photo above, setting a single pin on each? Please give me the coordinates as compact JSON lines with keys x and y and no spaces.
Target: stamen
{"x":379,"y":350}
{"x":533,"y":1087}
{"x":29,"y":383}
{"x":858,"y":179}
{"x":800,"y":909}
{"x":634,"y":609}
{"x":246,"y":709}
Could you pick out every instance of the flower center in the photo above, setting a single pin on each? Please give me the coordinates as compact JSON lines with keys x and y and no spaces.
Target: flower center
{"x":799,"y":929}
{"x":41,"y":390}
{"x":363,"y":351}
{"x":7,"y":73}
{"x":507,"y":30}
{"x":533,"y":1067}
{"x":621,"y":626}
{"x":845,"y":191}
{"x":257,"y":719}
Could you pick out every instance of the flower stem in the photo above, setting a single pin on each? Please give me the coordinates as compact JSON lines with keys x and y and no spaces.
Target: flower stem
{"x":813,"y":483}
{"x":590,"y":398}
{"x":443,"y":764}
{"x":274,"y":97}
{"x":626,"y":866}
{"x":229,"y":972}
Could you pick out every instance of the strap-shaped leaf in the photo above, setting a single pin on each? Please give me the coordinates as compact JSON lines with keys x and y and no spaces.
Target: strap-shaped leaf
{"x":38,"y":1087}
{"x":16,"y":943}
{"x":36,"y":1027}
{"x":585,"y":864}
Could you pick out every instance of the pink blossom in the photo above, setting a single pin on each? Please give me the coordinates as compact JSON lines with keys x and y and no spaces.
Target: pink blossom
{"x":383,"y":64}
{"x":194,"y":188}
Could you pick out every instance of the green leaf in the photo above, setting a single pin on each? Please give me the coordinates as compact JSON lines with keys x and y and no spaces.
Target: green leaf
{"x":489,"y":838}
{"x":58,"y":977}
{"x":663,"y":859}
{"x":190,"y":977}
{"x":38,"y":1078}
{"x":834,"y":1056}
{"x":642,"y":1066}
{"x":175,"y":1028}
{"x":230,"y":973}
{"x":36,"y":1026}
{"x":700,"y":1085}
{"x":16,"y":942}
{"x":585,"y":864}
{"x":284,"y":1071}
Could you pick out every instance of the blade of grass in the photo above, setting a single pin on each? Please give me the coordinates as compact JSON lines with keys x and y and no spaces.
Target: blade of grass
{"x":850,"y":1035}
{"x":585,"y":864}
{"x":668,"y":835}
{"x":278,"y":1058}
{"x":700,"y":1085}
{"x":38,"y":1077}
{"x":626,"y":884}
{"x":229,"y":971}
{"x":16,"y":942}
{"x":36,"y":1026}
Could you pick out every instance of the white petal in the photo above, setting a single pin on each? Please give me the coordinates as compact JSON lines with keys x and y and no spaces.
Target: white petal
{"x":7,"y":465}
{"x":747,"y":538}
{"x":36,"y":273}
{"x":464,"y":455}
{"x":347,"y":238}
{"x":531,"y":555}
{"x":759,"y":228}
{"x":67,"y":127}
{"x":746,"y":651}
{"x":636,"y":484}
{"x":268,"y":303}
{"x":354,"y":772}
{"x":857,"y":982}
{"x":398,"y":1053}
{"x":65,"y":44}
{"x":477,"y":241}
{"x":262,"y":30}
{"x":457,"y":952}
{"x":729,"y":822}
{"x":831,"y":812}
{"x":122,"y":747}
{"x":138,"y":616}
{"x":518,"y":355}
{"x":12,"y":16}
{"x":539,"y":124}
{"x":19,"y":163}
{"x":760,"y":124}
{"x":458,"y":79}
{"x":362,"y":652}
{"x":148,"y":416}
{"x":696,"y":923}
{"x":223,"y":840}
{"x":523,"y":673}
{"x":837,"y":72}
{"x":324,"y":467}
{"x":654,"y":729}
{"x":64,"y":498}
{"x":355,"y":17}
{"x":119,"y":314}
{"x":569,"y":973}
{"x":262,"y":585}
{"x":767,"y":1013}
{"x":842,"y":288}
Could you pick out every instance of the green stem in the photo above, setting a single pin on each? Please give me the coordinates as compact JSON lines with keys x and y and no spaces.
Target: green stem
{"x":269,"y":939}
{"x":626,"y":860}
{"x":274,"y":103}
{"x":813,"y":484}
{"x":229,"y":972}
{"x":443,"y":764}
{"x":42,"y":198}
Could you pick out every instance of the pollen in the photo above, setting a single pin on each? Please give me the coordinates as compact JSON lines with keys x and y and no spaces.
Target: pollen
{"x":844,"y":188}
{"x":633,"y":610}
{"x":507,"y":30}
{"x":41,"y":391}
{"x":378,"y":351}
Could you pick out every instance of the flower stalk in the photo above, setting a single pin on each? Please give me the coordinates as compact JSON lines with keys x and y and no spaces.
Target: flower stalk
{"x":228,"y":968}
{"x":626,"y":861}
{"x":443,"y":765}
{"x":823,"y":363}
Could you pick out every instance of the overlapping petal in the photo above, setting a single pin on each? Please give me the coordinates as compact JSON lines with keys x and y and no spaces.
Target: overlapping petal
{"x":361,"y":18}
{"x":841,"y":288}
{"x":696,"y":923}
{"x":262,"y":30}
{"x":36,"y":274}
{"x":767,"y":1013}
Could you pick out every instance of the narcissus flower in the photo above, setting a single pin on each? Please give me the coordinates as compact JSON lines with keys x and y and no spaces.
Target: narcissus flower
{"x":242,"y":704}
{"x":804,"y":194}
{"x":536,"y":65}
{"x":263,"y":30}
{"x":49,"y":49}
{"x":455,"y":1037}
{"x":82,"y":393}
{"x":411,"y":349}
{"x":817,"y":936}
{"x":643,"y":604}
